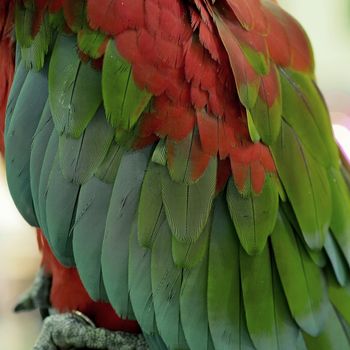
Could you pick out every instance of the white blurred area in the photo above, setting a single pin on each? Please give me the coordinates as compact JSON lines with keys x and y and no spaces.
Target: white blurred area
{"x":19,"y":260}
{"x":328,"y":25}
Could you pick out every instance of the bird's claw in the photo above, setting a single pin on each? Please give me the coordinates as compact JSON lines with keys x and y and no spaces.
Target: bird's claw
{"x":38,"y":295}
{"x":76,"y":331}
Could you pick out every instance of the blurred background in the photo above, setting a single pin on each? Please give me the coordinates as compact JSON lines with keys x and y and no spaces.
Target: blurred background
{"x":328,"y":25}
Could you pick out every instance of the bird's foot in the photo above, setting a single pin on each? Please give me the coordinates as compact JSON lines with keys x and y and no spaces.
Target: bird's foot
{"x":75,"y":331}
{"x":38,"y":295}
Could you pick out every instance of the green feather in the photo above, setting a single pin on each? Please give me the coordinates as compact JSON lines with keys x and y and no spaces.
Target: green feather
{"x":254,"y":215}
{"x":159,"y":155}
{"x":88,"y":234}
{"x":333,"y":336}
{"x":34,"y":55}
{"x":25,"y":119}
{"x":339,"y":296}
{"x":91,"y":42}
{"x":267,"y":119}
{"x":306,"y":112}
{"x":151,"y":209}
{"x":80,"y":158}
{"x":189,"y":254}
{"x":24,"y":17}
{"x":121,"y":215}
{"x":78,"y":15}
{"x":258,"y":60}
{"x":301,"y":342}
{"x":302,"y":280}
{"x":74,"y":88}
{"x":140,"y":287}
{"x":287,"y":329}
{"x":57,"y":21}
{"x":253,"y":131}
{"x":337,"y":260}
{"x":306,"y":184}
{"x":224,"y":304}
{"x":108,"y":169}
{"x":124,"y":101}
{"x":340,"y":222}
{"x":317,"y":256}
{"x":187,"y":207}
{"x":180,"y":162}
{"x":268,"y":318}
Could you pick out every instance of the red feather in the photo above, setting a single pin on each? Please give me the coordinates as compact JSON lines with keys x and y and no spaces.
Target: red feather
{"x":223,"y":174}
{"x":249,"y":14}
{"x":251,"y":162}
{"x":115,"y":16}
{"x":175,"y":121}
{"x":287,"y":36}
{"x":55,"y":5}
{"x":6,"y":62}
{"x":208,"y":127}
{"x":270,"y":86}
{"x":247,"y":80}
{"x":257,"y":175}
{"x":68,"y":293}
{"x":199,"y":159}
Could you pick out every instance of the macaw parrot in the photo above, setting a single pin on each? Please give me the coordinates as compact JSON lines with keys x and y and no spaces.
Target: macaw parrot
{"x":179,"y":163}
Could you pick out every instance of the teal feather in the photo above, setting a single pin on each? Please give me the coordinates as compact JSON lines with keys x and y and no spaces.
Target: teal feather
{"x":61,"y":202}
{"x":24,"y":122}
{"x":166,"y":287}
{"x":88,"y":234}
{"x":121,"y":215}
{"x":194,"y":292}
{"x":140,"y":287}
{"x":80,"y":158}
{"x":37,"y":154}
{"x":48,"y":161}
{"x":225,"y":313}
{"x":17,"y":84}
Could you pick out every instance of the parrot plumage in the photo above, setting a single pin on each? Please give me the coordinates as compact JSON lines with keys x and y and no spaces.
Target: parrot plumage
{"x":179,"y":160}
